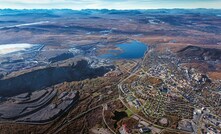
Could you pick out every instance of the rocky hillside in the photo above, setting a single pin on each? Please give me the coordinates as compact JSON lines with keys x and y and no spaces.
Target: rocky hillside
{"x":46,"y":77}
{"x":200,"y":53}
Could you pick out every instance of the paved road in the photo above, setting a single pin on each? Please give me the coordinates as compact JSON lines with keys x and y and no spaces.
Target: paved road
{"x":66,"y":123}
{"x":105,"y":120}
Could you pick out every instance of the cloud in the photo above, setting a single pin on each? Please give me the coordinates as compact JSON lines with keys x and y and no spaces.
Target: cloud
{"x":110,"y":4}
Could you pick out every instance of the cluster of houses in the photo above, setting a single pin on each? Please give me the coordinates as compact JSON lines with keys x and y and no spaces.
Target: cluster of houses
{"x":141,"y":129}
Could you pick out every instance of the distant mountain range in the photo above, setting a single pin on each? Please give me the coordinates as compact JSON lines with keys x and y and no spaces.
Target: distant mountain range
{"x":57,"y":12}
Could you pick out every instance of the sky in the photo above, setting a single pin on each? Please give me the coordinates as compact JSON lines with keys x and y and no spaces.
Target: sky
{"x":108,"y":4}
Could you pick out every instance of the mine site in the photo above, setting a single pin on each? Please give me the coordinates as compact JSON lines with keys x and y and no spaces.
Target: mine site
{"x":110,"y":71}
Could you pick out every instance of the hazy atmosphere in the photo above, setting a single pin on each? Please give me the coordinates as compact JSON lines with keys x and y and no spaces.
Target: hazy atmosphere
{"x":109,"y":4}
{"x":110,"y":66}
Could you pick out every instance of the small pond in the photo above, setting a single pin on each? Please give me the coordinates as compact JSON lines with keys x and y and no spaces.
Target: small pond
{"x":118,"y":116}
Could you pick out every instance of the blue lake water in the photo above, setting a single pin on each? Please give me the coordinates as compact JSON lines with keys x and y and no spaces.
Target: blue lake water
{"x":130,"y":50}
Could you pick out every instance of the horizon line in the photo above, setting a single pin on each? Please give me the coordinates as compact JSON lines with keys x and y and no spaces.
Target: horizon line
{"x":107,"y":9}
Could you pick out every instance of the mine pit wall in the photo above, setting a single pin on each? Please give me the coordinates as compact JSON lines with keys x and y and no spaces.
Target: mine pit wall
{"x":48,"y":100}
{"x":61,"y":113}
{"x":47,"y":77}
